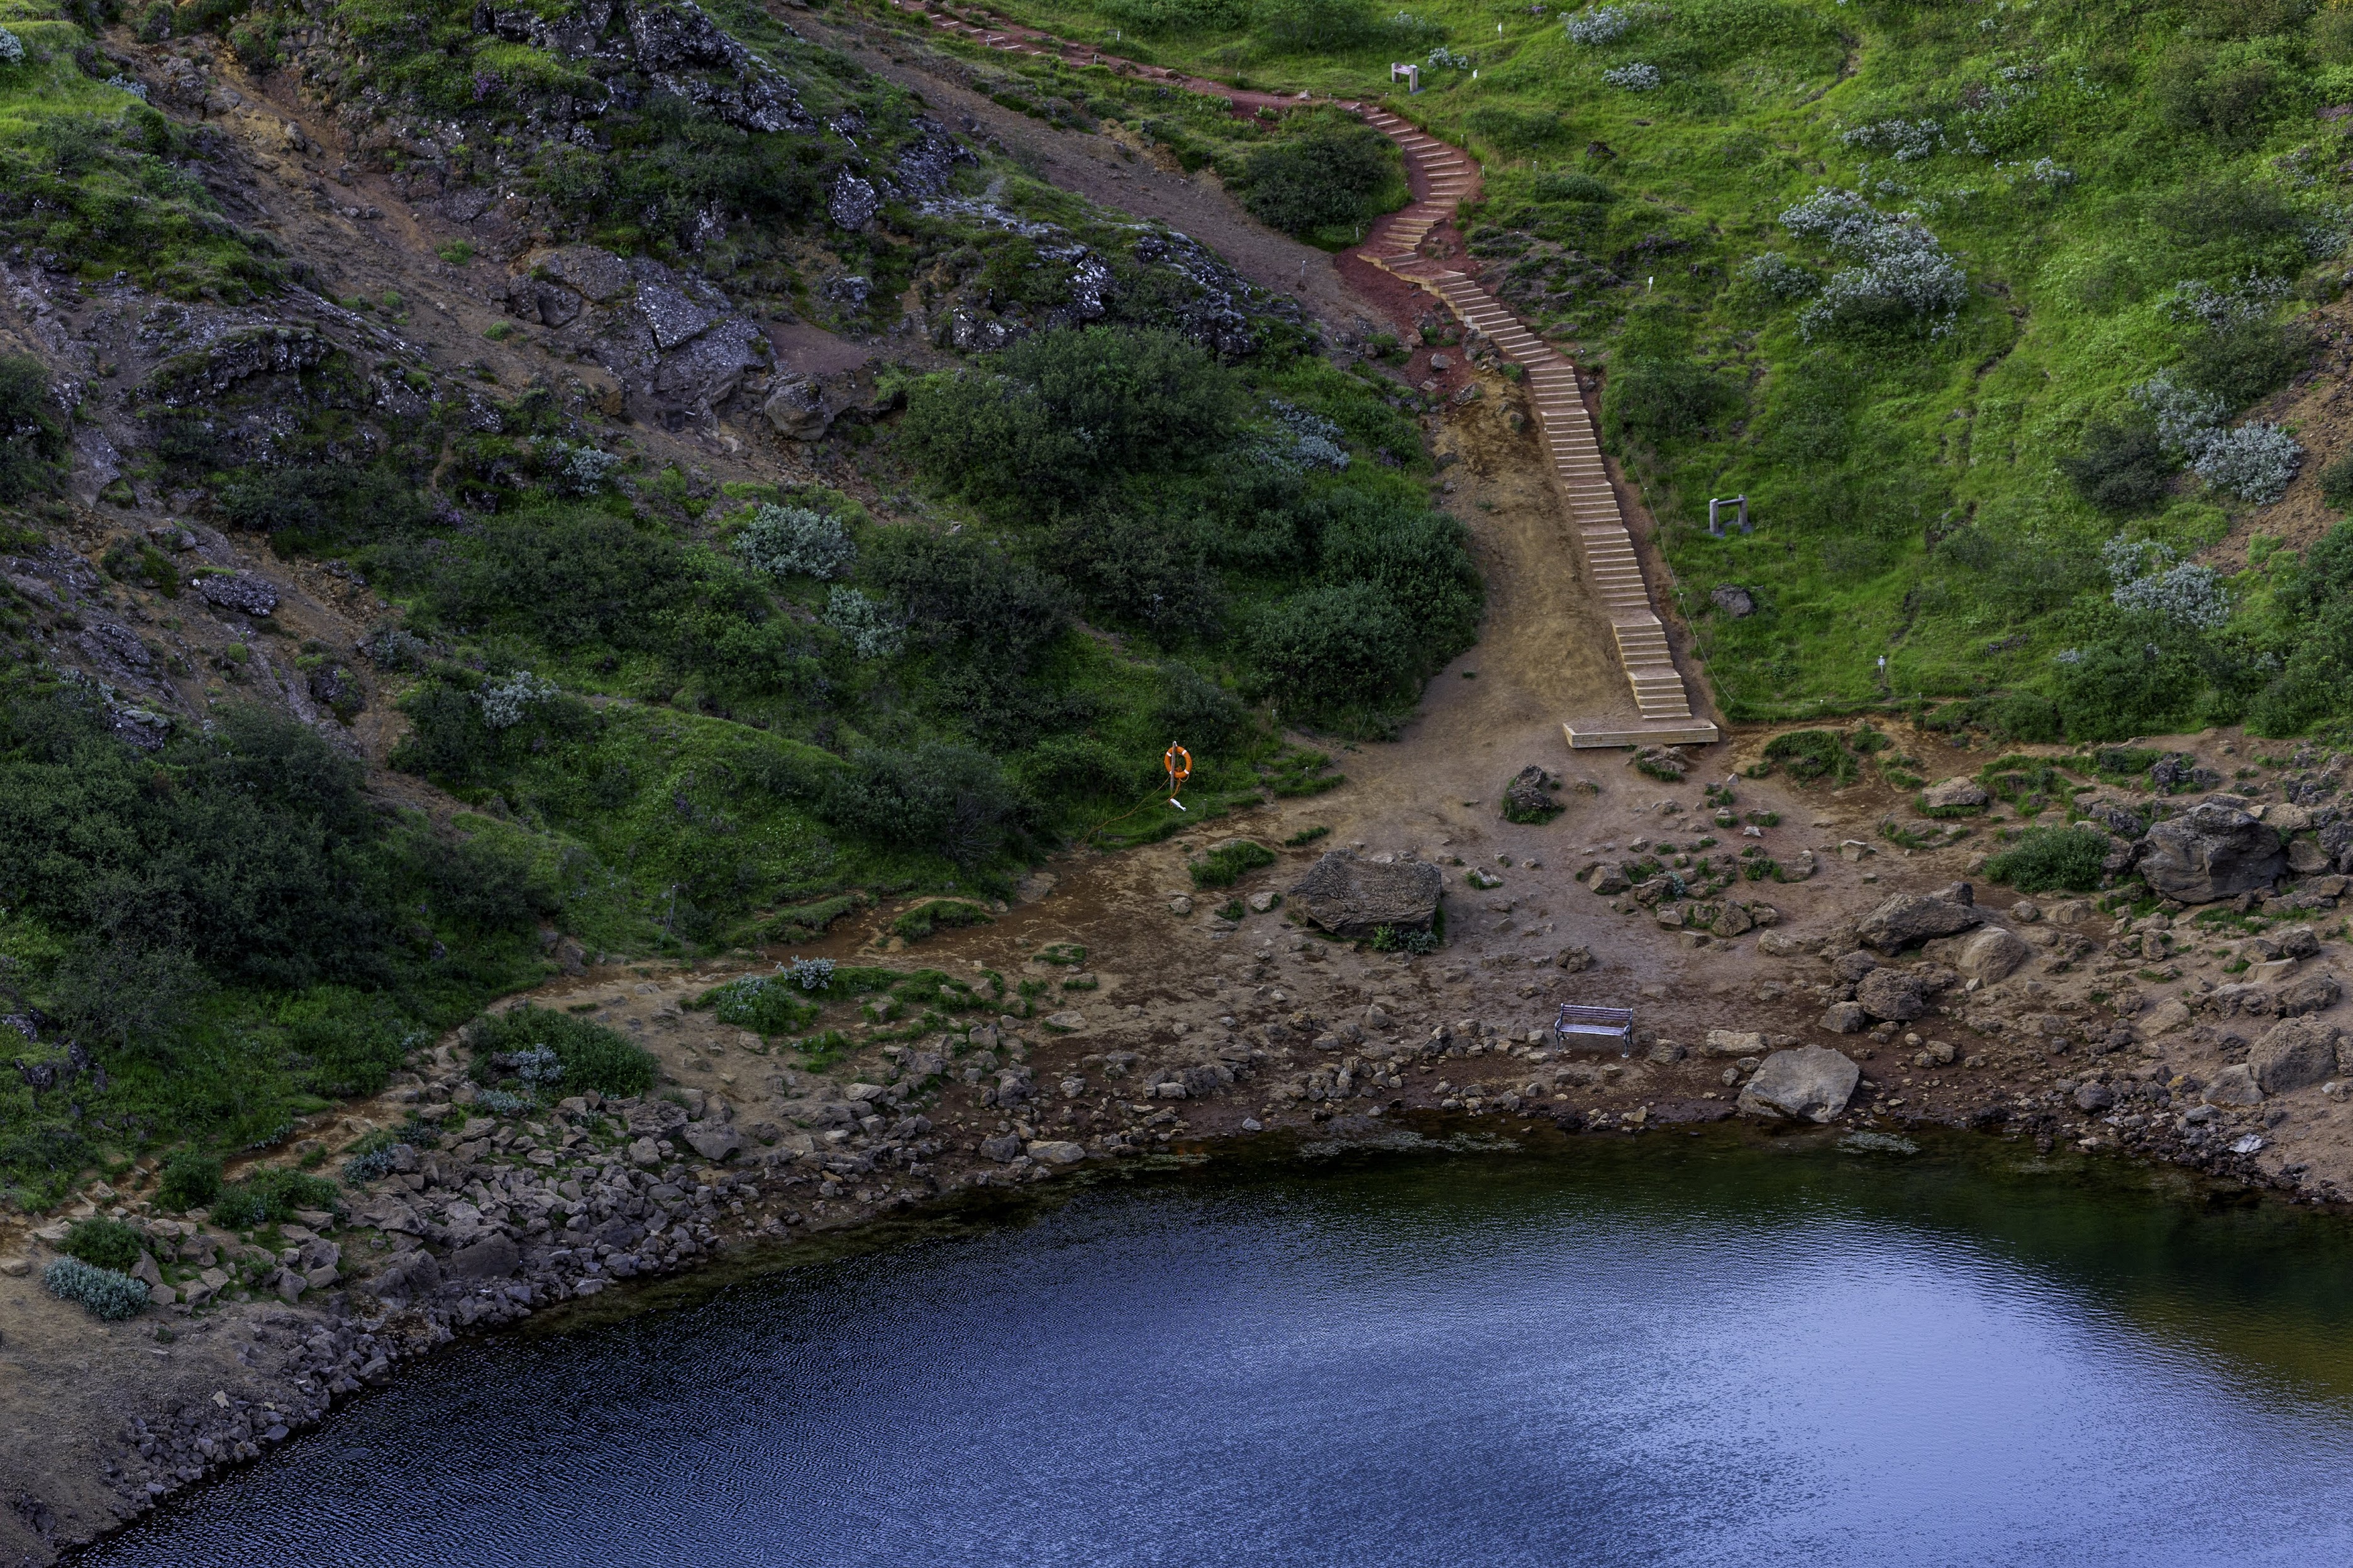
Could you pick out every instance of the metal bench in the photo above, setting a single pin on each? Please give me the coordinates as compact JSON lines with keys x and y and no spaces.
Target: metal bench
{"x":1598,"y":1023}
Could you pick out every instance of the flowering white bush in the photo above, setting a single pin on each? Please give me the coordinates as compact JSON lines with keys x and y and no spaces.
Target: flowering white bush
{"x":872,"y":630}
{"x":11,"y":48}
{"x":1314,"y":442}
{"x":793,"y":540}
{"x":1636,"y":78}
{"x":1442,"y":56}
{"x":811,"y":974}
{"x":2151,"y":579}
{"x":1905,"y":271}
{"x":102,"y":1292}
{"x":1780,"y":276}
{"x":584,"y":470}
{"x":508,"y":703}
{"x":1608,"y":24}
{"x":2252,"y":300}
{"x":2253,"y":462}
{"x":2046,"y":171}
{"x":1908,"y":140}
{"x":2186,"y":420}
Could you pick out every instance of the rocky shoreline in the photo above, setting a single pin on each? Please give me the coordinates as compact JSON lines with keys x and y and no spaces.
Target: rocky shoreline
{"x":1877,"y":991}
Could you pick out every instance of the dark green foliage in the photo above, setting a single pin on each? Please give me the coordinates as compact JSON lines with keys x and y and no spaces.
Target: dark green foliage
{"x":569,"y":577}
{"x":270,"y":1196}
{"x":2121,"y":468}
{"x":2231,"y":103}
{"x":2128,"y":686}
{"x":32,"y":437}
{"x":1334,"y":647}
{"x":938,"y":914}
{"x":190,"y":1181}
{"x":1228,"y":863}
{"x":592,"y":1056}
{"x":2336,"y":482}
{"x":1068,"y":409}
{"x":1331,"y":176}
{"x":1315,"y":27}
{"x":949,"y":800}
{"x":1810,"y":755}
{"x":325,"y":507}
{"x":1657,"y":400}
{"x":2051,"y":859}
{"x":2246,"y":360}
{"x":103,"y":1244}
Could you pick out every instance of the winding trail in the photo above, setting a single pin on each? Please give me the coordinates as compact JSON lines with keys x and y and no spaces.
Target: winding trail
{"x":1441,"y":177}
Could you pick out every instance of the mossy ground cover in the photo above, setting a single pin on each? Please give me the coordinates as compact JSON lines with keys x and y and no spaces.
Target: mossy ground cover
{"x":1934,"y":418}
{"x":93,"y":181}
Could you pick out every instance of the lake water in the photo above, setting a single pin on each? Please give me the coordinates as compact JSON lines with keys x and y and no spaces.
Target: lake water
{"x":1675,"y":1350}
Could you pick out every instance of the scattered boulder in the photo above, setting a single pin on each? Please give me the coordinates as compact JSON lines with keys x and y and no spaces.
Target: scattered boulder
{"x":1845,"y":1019}
{"x":1575,"y":959}
{"x":1057,"y":1152}
{"x":239,"y":591}
{"x":1528,"y":797}
{"x":492,"y":1258}
{"x":1734,"y":601}
{"x":1610,"y":877}
{"x":1005,"y":1148}
{"x":2165,"y":1017}
{"x":1956,"y":795}
{"x":1350,"y":897}
{"x":1892,"y":995}
{"x":1812,"y":1081}
{"x":2234,"y":1085}
{"x":2312,"y":993}
{"x":2294,"y":1053}
{"x":1851,"y":966}
{"x":2092,"y":1099}
{"x":2306,"y":858}
{"x":1910,"y":917}
{"x":715,"y":1141}
{"x":2211,"y":851}
{"x":1992,"y":954}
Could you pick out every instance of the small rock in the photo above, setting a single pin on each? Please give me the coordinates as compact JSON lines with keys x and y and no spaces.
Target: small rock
{"x":2093,"y":1097}
{"x":1180,"y":905}
{"x":1991,"y":955}
{"x":1734,"y":602}
{"x":1737,"y":1042}
{"x":1004,"y":1148}
{"x":1065,"y":1023}
{"x":716,"y":1142}
{"x":1263,"y":901}
{"x":1057,"y":1152}
{"x":1845,"y":1019}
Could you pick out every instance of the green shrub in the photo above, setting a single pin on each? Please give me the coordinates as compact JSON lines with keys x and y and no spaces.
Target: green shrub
{"x":2246,"y":360}
{"x":269,"y":1197}
{"x":949,"y":801}
{"x":1331,"y":176}
{"x":2051,"y":859}
{"x":1657,"y":400}
{"x":938,"y":914}
{"x":104,"y":1243}
{"x":2336,"y":479}
{"x":370,"y":1159}
{"x":325,"y":507}
{"x":1333,"y":647}
{"x":32,"y":440}
{"x":2113,"y":690}
{"x":591,"y":1056}
{"x":1228,"y":863}
{"x":2228,"y":102}
{"x":190,"y":1181}
{"x":1810,"y":755}
{"x":2121,"y":468}
{"x":105,"y":1294}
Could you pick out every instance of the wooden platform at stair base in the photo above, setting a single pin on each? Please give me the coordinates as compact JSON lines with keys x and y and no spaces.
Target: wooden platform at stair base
{"x":1595,"y":734}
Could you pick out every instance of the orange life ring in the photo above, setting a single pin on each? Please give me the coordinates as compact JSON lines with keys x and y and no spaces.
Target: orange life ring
{"x":1179,"y":764}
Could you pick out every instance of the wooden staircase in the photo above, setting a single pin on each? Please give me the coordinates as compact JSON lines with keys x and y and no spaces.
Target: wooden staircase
{"x":1446,"y":178}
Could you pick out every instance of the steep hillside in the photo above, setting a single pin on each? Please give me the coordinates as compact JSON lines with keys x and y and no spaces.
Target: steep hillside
{"x":489,"y":488}
{"x":2006,"y":319}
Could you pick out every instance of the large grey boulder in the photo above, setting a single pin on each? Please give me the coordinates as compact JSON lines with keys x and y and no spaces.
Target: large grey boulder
{"x":1991,"y":955}
{"x":715,"y":1141}
{"x":2294,"y":1053}
{"x":1350,"y":897}
{"x":2234,"y":1085}
{"x":1892,"y":995}
{"x":1813,"y":1082}
{"x":492,"y":1258}
{"x":2210,"y":851}
{"x":1911,"y":918}
{"x":1955,"y":794}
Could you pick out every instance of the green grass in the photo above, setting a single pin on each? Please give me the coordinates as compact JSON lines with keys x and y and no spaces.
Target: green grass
{"x":1906,"y":478}
{"x":1228,"y":863}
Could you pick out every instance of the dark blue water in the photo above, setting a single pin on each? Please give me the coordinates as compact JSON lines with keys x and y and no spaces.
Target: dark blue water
{"x":1694,"y":1352}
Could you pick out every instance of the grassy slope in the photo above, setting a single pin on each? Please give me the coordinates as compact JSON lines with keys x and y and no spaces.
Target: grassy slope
{"x":1863,"y":454}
